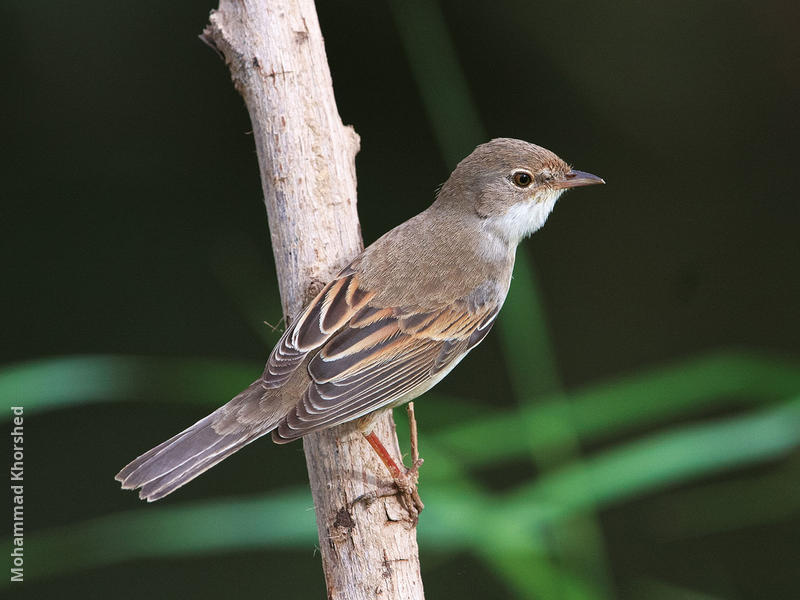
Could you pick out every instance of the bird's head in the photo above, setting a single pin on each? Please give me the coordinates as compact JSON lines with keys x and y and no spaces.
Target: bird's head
{"x":511,"y":185}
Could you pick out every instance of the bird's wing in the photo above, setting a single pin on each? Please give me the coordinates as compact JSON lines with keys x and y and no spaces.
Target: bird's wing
{"x":328,"y":312}
{"x":380,"y":356}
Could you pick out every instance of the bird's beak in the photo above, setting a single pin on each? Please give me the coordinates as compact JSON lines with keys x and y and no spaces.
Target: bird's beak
{"x":577,"y":179}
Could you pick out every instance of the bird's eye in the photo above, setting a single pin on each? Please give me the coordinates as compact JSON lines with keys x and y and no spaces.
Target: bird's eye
{"x":522,"y":179}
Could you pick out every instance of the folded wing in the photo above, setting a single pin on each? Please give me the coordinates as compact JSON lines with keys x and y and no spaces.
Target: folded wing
{"x":381,"y":357}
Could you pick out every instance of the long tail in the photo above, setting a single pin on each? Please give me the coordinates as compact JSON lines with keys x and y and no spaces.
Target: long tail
{"x":183,"y":457}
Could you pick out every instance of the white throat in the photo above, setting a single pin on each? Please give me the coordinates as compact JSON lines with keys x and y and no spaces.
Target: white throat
{"x":524,"y":218}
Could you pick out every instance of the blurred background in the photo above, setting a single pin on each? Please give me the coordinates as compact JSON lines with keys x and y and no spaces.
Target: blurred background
{"x":634,"y":434}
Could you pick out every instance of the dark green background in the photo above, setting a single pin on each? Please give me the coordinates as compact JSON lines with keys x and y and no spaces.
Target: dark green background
{"x":132,"y":223}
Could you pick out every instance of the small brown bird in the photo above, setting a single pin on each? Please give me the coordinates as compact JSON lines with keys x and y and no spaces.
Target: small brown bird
{"x":391,"y":324}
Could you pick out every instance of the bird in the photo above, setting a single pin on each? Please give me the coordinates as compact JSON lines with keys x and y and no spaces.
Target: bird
{"x":390,"y":325}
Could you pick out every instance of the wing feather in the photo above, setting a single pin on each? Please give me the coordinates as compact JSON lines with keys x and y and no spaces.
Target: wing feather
{"x":329,"y":311}
{"x":378,"y":358}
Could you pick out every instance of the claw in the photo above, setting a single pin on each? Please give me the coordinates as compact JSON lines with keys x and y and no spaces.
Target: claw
{"x":407,"y":488}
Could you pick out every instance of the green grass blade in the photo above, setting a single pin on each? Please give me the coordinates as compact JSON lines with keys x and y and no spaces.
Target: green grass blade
{"x":507,"y":525}
{"x":686,"y":388}
{"x":707,"y":510}
{"x":522,"y":324}
{"x":434,"y":65}
{"x":663,"y":459}
{"x":53,"y":383}
{"x":532,"y":575}
{"x":279,"y":521}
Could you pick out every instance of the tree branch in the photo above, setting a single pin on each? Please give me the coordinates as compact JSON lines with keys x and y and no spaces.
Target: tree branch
{"x":276,"y":55}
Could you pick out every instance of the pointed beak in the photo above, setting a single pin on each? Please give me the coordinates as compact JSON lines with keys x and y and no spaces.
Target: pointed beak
{"x":577,"y":179}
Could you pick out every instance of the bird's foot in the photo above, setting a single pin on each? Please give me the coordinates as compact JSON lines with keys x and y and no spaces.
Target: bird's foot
{"x":404,"y":487}
{"x":405,"y":480}
{"x":406,"y":484}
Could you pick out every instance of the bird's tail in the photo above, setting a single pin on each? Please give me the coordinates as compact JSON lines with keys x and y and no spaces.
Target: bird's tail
{"x":183,"y":457}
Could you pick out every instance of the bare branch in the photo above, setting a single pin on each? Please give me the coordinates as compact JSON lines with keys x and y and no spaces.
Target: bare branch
{"x":306,"y":156}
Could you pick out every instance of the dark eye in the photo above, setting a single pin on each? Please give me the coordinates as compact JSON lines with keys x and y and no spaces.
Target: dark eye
{"x":522,"y":179}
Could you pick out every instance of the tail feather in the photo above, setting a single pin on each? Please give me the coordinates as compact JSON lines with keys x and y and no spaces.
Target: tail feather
{"x":172,"y":454}
{"x":167,"y":483}
{"x":173,"y":463}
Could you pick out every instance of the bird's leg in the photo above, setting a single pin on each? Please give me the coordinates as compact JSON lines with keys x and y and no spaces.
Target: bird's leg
{"x":384,"y":455}
{"x":405,"y":479}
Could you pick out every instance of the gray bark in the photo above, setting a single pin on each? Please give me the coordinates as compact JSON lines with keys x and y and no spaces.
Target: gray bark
{"x":306,"y":156}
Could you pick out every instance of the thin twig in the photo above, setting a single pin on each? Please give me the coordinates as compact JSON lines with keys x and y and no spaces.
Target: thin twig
{"x":412,"y":425}
{"x":416,"y":461}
